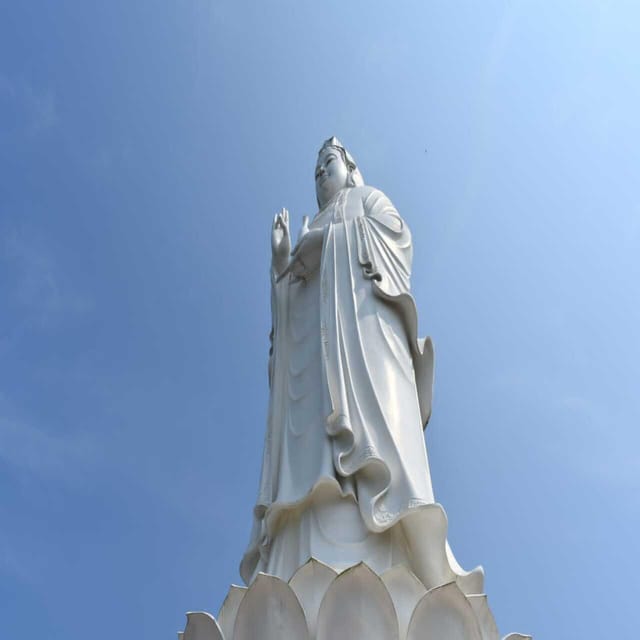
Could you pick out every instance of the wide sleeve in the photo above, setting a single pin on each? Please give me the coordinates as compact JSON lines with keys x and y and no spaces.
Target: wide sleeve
{"x":385,"y":254}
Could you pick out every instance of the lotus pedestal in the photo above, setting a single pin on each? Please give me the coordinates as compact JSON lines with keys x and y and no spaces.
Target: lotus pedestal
{"x":319,"y":603}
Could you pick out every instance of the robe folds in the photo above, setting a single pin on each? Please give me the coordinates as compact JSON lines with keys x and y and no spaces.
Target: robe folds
{"x":351,"y":385}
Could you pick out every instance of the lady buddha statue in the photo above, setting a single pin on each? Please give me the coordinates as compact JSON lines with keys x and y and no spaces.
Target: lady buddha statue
{"x":345,"y":476}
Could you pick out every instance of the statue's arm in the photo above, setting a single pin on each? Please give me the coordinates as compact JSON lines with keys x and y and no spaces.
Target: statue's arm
{"x":280,"y":247}
{"x":272,"y":333}
{"x":378,"y":207}
{"x":385,"y":253}
{"x":384,"y":243}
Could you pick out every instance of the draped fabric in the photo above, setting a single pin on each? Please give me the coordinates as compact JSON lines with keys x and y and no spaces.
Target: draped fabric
{"x":373,"y":416}
{"x":351,"y":390}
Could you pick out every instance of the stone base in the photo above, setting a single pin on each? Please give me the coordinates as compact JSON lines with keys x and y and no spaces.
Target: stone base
{"x":319,"y":603}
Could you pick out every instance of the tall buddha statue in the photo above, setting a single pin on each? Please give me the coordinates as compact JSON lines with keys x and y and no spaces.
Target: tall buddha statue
{"x":345,"y":475}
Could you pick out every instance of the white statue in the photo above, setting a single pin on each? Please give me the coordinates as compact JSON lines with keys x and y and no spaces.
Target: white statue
{"x":345,"y":476}
{"x":347,"y":542}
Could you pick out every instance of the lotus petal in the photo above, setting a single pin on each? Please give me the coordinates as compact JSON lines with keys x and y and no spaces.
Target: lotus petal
{"x":484,"y":616}
{"x":406,"y":591}
{"x":357,"y":605}
{"x":310,"y":582}
{"x":470,"y":582}
{"x":270,"y":611}
{"x":229,"y":610}
{"x":444,"y":612}
{"x":201,"y":626}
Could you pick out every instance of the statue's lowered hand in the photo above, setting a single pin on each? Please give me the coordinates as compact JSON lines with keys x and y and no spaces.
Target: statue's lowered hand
{"x":305,"y":258}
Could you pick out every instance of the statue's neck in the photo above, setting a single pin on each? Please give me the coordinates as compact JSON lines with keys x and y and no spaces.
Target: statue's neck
{"x":331,"y":200}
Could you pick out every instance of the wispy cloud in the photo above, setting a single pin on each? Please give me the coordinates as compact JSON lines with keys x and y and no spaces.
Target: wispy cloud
{"x":600,"y":441}
{"x":591,"y":437}
{"x":36,"y":286}
{"x":31,"y":450}
{"x":34,"y":108}
{"x":27,"y":448}
{"x":15,"y":563}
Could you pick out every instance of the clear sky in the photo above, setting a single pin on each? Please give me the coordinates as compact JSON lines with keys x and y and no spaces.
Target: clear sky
{"x":144,"y":147}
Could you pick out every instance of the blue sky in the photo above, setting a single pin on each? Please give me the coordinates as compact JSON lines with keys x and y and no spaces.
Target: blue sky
{"x":144,"y":147}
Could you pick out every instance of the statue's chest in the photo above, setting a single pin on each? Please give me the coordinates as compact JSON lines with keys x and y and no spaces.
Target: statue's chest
{"x":344,"y":208}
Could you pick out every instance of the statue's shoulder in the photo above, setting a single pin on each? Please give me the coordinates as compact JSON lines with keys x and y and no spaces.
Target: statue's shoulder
{"x":364,"y":191}
{"x":368,"y":195}
{"x":373,"y":200}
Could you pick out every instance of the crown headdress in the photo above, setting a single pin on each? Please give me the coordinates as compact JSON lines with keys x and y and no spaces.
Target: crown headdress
{"x":356,"y":177}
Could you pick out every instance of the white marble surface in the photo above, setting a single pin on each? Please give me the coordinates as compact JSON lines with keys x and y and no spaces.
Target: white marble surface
{"x":345,"y":475}
{"x":318,"y":603}
{"x":348,"y":542}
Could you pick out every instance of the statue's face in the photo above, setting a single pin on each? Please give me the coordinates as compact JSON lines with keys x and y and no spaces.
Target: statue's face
{"x":331,"y":174}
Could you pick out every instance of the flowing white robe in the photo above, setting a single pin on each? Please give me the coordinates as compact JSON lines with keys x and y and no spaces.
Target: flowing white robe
{"x":344,"y":454}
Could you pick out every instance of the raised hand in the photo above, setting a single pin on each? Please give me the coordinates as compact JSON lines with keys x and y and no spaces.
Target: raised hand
{"x":280,"y":241}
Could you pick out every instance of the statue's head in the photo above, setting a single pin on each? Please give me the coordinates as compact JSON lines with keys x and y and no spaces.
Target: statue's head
{"x":335,"y":170}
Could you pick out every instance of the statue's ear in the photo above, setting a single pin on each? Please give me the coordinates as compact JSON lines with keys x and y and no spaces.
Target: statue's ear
{"x":355,"y":178}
